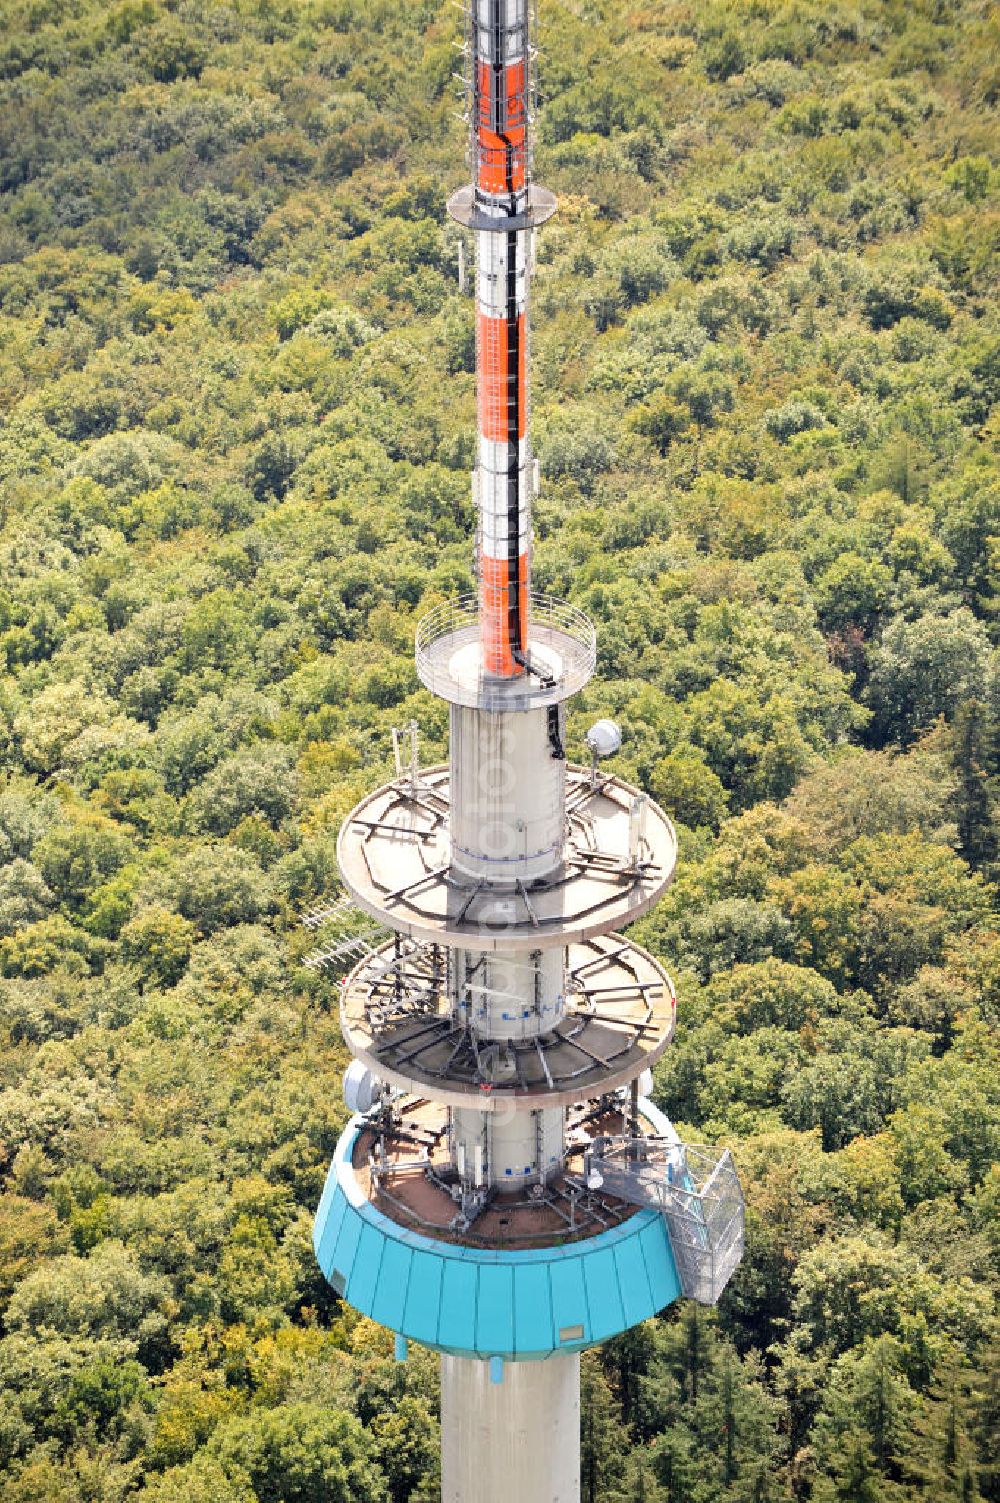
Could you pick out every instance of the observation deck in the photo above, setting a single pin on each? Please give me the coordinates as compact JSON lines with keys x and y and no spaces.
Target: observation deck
{"x":513,"y":1291}
{"x":394,"y":857}
{"x":413,"y":1183}
{"x":562,"y":649}
{"x":396,"y":1017}
{"x":555,"y":1270}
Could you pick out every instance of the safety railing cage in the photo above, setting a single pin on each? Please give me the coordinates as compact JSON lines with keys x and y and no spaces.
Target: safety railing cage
{"x":552,"y":623}
{"x":699,"y":1195}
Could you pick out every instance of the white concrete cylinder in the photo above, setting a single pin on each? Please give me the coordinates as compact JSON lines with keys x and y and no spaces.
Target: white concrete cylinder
{"x":508,"y":795}
{"x":508,"y":996}
{"x":524,"y":1147}
{"x":468,"y":1145}
{"x":514,"y":1440}
{"x":520,"y":1148}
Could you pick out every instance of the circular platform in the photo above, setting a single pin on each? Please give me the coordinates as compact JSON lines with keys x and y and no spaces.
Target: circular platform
{"x":394,"y":857}
{"x":395,"y":1017}
{"x":516,"y":1303}
{"x":463,"y":208}
{"x":414,"y":1185}
{"x":562,"y":651}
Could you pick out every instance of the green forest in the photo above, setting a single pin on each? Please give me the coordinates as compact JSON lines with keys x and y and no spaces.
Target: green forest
{"x":237,"y":421}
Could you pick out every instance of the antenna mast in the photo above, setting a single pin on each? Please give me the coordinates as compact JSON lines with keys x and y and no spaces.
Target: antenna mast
{"x":505,"y":1191}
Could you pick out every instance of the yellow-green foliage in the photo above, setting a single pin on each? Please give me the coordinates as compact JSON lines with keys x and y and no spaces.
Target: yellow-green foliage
{"x":237,"y":417}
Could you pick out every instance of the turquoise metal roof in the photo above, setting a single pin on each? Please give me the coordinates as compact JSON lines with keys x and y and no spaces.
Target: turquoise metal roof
{"x":476,"y":1302}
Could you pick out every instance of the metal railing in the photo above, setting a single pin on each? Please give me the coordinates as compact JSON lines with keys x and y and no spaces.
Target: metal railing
{"x":698,"y":1193}
{"x":459,"y":676}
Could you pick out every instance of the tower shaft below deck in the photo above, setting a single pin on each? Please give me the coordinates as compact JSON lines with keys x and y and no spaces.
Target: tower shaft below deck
{"x":516,"y":1441}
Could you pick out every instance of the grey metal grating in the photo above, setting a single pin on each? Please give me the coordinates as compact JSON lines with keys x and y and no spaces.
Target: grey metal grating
{"x":698,"y":1193}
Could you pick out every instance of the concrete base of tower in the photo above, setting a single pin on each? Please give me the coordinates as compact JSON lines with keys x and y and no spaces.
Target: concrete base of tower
{"x":514,"y":1439}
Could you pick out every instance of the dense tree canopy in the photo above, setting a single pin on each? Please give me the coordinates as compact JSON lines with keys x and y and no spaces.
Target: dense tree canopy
{"x":237,"y":419}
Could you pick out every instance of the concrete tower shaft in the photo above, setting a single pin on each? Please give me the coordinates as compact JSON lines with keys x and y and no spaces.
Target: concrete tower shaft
{"x":517,"y":1148}
{"x":508,"y":793}
{"x":525,"y":1432}
{"x":509,"y":997}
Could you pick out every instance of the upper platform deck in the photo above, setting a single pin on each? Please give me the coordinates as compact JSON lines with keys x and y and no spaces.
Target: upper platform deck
{"x":394,"y":857}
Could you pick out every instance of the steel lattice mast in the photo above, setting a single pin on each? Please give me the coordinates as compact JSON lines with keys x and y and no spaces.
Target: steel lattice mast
{"x":505,"y":1193}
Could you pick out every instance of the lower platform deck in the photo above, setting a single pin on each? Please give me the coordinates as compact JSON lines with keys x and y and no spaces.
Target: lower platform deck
{"x":414,"y":1188}
{"x":555,"y":1293}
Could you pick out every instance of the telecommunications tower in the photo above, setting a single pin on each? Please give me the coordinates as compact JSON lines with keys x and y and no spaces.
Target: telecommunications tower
{"x":505,"y":1192}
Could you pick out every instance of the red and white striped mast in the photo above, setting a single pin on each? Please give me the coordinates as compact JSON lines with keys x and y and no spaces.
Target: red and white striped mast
{"x":502,"y":207}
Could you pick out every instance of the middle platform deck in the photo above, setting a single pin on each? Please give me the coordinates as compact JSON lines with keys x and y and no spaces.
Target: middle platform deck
{"x":396,"y":1017}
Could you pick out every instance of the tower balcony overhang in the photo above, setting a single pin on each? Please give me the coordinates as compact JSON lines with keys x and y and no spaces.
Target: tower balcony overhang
{"x":557,"y":1292}
{"x":537,"y":206}
{"x":561,"y":652}
{"x":395,"y":861}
